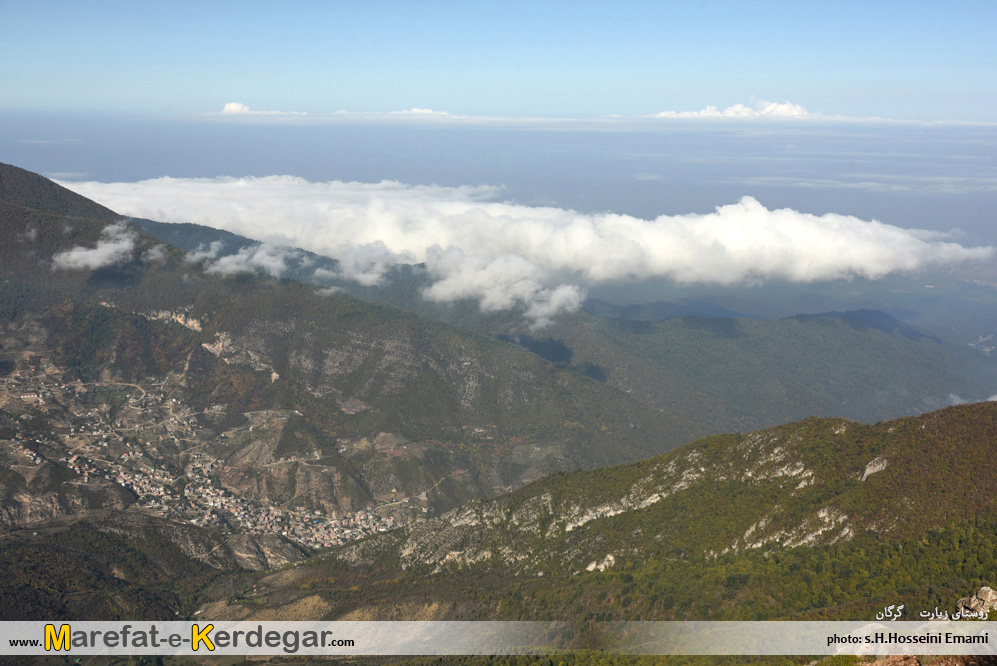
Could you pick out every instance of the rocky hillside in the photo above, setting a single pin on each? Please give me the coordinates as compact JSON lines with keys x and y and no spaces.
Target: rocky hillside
{"x":816,"y":482}
{"x":823,"y":518}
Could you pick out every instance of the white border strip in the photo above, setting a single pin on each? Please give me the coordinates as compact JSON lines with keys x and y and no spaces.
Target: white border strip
{"x":496,"y":638}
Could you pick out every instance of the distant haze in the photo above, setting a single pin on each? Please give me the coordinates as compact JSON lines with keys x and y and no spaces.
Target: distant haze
{"x":941,"y":177}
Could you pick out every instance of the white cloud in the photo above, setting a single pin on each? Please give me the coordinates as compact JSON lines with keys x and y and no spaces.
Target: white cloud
{"x":116,"y":246}
{"x":762,"y":109}
{"x":236,"y":107}
{"x":419,"y":112}
{"x":205,"y":253}
{"x":239,"y":109}
{"x":508,"y":255}
{"x":366,"y":263}
{"x":153,"y":254}
{"x":262,"y":258}
{"x":498,"y":283}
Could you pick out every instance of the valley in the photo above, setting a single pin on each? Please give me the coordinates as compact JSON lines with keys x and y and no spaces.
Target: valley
{"x":243,"y":446}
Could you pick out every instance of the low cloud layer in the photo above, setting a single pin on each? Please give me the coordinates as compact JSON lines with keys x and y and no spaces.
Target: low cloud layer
{"x":761,"y":110}
{"x":506,"y":255}
{"x":116,"y":246}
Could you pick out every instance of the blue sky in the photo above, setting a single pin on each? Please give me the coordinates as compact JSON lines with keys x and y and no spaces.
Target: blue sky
{"x":908,"y":60}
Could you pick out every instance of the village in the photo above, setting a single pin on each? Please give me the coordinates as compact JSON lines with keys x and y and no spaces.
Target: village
{"x":150,"y":446}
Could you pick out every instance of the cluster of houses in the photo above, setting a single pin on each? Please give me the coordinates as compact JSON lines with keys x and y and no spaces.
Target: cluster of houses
{"x":203,"y":504}
{"x":95,"y":448}
{"x":32,"y":456}
{"x":84,"y":467}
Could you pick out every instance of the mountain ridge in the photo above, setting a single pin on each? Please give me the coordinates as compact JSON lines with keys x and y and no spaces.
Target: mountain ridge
{"x":821,"y":519}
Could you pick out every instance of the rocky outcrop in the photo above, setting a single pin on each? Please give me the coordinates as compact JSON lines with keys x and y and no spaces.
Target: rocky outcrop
{"x":25,"y":508}
{"x":877,"y":465}
{"x":983,"y":600}
{"x":258,"y":553}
